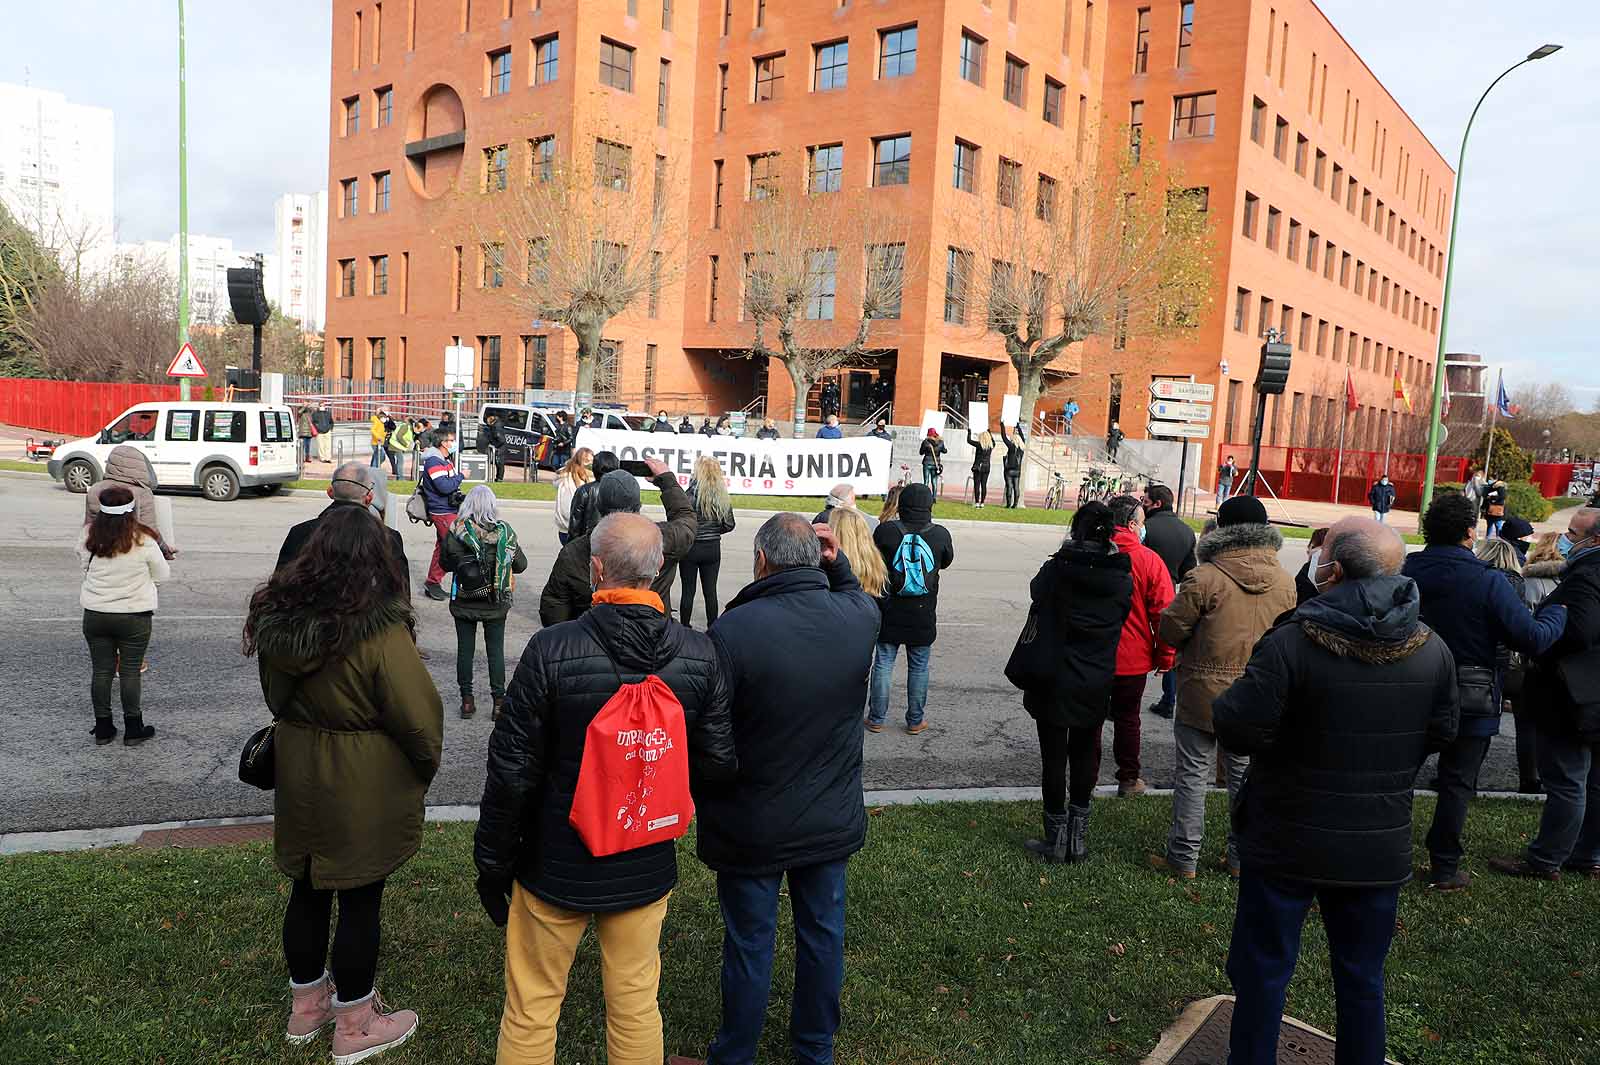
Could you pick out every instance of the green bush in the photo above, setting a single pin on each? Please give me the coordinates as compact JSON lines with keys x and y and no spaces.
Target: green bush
{"x":1510,"y":462}
{"x":1524,"y":500}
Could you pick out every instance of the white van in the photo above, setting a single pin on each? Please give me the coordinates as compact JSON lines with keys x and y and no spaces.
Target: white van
{"x":218,"y":448}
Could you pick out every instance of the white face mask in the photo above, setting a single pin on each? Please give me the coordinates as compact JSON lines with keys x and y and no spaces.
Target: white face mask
{"x":1317,"y":565}
{"x":1311,"y":558}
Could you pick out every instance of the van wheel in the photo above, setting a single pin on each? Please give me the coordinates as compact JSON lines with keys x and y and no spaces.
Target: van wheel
{"x":218,"y":484}
{"x":77,"y":475}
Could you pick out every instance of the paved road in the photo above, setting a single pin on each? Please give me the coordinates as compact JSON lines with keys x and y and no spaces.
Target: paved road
{"x":204,"y":699}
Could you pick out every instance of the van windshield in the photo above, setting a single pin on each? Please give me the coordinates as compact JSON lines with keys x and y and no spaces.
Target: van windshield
{"x":510,"y":417}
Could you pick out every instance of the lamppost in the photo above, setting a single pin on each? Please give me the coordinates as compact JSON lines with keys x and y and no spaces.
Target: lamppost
{"x":1434,"y":415}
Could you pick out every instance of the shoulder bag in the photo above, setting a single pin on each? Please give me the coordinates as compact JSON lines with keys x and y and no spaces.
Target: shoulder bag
{"x":258,"y":765}
{"x":1475,"y":685}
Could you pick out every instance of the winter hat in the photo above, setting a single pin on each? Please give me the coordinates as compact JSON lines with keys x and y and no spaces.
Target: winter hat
{"x":618,"y":491}
{"x":1241,"y":510}
{"x":916,"y":504}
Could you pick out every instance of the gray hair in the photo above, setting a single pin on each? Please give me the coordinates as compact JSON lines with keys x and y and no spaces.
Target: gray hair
{"x":842,"y":495}
{"x":1123,"y":508}
{"x":789,"y":542}
{"x":628,"y":546}
{"x":352,"y":482}
{"x":1367,"y":552}
{"x":1500,"y":554}
{"x":480,"y":507}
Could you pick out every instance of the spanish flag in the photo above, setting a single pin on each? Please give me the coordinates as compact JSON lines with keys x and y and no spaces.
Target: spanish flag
{"x":1401,"y":393}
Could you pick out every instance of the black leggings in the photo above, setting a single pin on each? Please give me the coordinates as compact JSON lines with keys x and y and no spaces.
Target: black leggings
{"x":703,"y":562}
{"x":980,"y":483}
{"x":1013,"y":487}
{"x":355,"y":944}
{"x":1068,"y":749}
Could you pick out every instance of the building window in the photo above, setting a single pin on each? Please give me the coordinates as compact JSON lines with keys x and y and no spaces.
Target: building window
{"x":825,"y":168}
{"x":1194,"y":116}
{"x":769,"y":77}
{"x":1336,"y":186}
{"x":965,"y":176}
{"x":1313,"y":245}
{"x":608,"y":369}
{"x":351,"y":196}
{"x":538,"y":260}
{"x":716,"y":194}
{"x":500,"y":72}
{"x":1088,"y":34}
{"x":897,"y":52}
{"x":662,"y":90}
{"x":1305,"y":332}
{"x":658,"y":185}
{"x":891,"y":160}
{"x":1241,"y":304}
{"x":1185,"y":32}
{"x":616,"y":65}
{"x":764,"y":175}
{"x":972,"y":51}
{"x":1054,"y":102}
{"x":833,"y":63}
{"x":654,"y":305}
{"x":1300,"y":147}
{"x":722,"y":97}
{"x":347,"y":357}
{"x":957,"y":268}
{"x":1291,"y":250}
{"x":494,"y":264}
{"x":385,"y":97}
{"x":1252,"y":206}
{"x":542,"y":157}
{"x":1015,"y":90}
{"x":649,"y":375}
{"x":1135,"y":129}
{"x":761,"y":13}
{"x":1320,"y":168}
{"x":347,"y":277}
{"x":822,"y":269}
{"x":1280,"y":139}
{"x":727,"y":16}
{"x":1273,"y":217}
{"x":1044,"y":208}
{"x":1264,"y":317}
{"x":377,"y":358}
{"x":887,"y":262}
{"x":352,"y":116}
{"x":535,"y":353}
{"x":711,"y":311}
{"x":495,"y":162}
{"x":546,"y":59}
{"x":613,"y":164}
{"x":380,"y":192}
{"x":1141,"y":42}
{"x":666,"y":15}
{"x":490,"y":377}
{"x":1008,"y":176}
{"x":380,"y":275}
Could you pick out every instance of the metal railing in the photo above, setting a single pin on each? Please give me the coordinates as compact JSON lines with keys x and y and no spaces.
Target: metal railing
{"x":883,"y":411}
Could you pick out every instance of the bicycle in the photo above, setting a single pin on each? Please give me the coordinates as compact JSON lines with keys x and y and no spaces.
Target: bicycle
{"x":1056,"y":497}
{"x":1095,"y":486}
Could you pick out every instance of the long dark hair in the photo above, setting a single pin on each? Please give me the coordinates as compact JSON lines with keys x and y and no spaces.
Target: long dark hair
{"x":346,"y":571}
{"x":111,"y":535}
{"x":1093,"y":523}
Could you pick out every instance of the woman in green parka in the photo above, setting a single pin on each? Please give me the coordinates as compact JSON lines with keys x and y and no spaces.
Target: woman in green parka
{"x":357,"y":742}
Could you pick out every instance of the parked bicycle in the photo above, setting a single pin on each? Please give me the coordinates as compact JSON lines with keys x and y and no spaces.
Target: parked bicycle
{"x":1056,"y":497}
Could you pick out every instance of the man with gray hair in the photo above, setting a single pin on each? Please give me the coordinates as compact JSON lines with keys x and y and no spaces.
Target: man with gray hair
{"x":1337,"y":710}
{"x":842,"y":497}
{"x":796,"y":645}
{"x":353,"y":484}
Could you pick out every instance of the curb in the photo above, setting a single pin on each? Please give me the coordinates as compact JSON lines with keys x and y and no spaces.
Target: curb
{"x":80,"y":839}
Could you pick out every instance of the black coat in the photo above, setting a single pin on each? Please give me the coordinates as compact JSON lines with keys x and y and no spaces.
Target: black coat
{"x":582,"y":517}
{"x":1381,"y":497}
{"x":1543,"y":691}
{"x":1090,"y":591}
{"x":912,"y":621}
{"x":536,"y":751}
{"x":980,"y":455}
{"x":1015,"y":449}
{"x":1337,"y":710}
{"x":1170,"y":537}
{"x":807,"y":634}
{"x":299,"y":535}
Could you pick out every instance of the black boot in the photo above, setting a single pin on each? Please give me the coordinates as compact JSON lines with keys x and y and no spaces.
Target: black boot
{"x":499,"y":705}
{"x":134,"y":730}
{"x":469,"y":706}
{"x":1077,"y":833}
{"x":104,"y":731}
{"x":1053,"y":847}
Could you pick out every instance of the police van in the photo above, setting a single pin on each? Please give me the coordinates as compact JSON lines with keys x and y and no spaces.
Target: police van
{"x":522,"y":424}
{"x":218,"y":448}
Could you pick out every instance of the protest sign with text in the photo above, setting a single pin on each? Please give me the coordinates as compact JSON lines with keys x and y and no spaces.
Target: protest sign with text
{"x":758,"y":467}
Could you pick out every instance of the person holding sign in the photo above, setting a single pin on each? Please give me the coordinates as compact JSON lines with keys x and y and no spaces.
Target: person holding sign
{"x":982,"y":447}
{"x":1012,"y":468}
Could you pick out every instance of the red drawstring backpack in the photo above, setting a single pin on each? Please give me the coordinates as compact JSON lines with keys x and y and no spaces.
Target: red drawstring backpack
{"x":633,"y":785}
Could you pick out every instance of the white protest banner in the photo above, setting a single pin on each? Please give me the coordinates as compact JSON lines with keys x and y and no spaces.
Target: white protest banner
{"x":1010,"y":408}
{"x":977,"y":417}
{"x":932,"y":419}
{"x":758,"y":467}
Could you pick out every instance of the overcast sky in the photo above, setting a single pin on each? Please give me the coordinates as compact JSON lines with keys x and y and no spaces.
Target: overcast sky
{"x":1527,"y":276}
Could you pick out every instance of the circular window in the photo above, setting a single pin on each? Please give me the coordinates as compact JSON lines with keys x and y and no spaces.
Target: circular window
{"x":436,"y":139}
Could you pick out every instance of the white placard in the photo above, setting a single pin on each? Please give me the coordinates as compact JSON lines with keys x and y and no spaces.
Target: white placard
{"x":164,"y":524}
{"x":458,"y":366}
{"x":1010,"y":408}
{"x":932,"y":419}
{"x":759,"y":467}
{"x":977,"y":417}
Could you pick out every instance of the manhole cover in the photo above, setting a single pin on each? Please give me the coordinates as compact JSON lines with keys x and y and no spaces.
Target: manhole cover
{"x":1208,"y":1045}
{"x":209,"y":836}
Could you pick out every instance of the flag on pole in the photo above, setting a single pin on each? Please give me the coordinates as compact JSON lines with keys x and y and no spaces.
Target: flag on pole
{"x":1401,"y":392}
{"x":1350,"y":403}
{"x":1502,"y":402}
{"x":1444,"y":405}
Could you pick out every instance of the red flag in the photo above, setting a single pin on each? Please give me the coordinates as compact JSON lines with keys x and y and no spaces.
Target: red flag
{"x":1350,"y":403}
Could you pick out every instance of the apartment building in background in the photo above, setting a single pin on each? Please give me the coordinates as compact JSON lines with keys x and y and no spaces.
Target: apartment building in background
{"x":297,"y":278}
{"x":1330,"y":206}
{"x":57,"y":171}
{"x":209,"y":260}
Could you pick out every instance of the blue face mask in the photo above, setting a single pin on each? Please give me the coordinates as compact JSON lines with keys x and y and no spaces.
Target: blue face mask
{"x":1141,"y":534}
{"x":1564,"y":545}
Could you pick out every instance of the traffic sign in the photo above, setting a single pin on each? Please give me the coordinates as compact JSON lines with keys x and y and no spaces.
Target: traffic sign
{"x":1190,"y":430}
{"x":457,"y":366}
{"x":1176,"y":411}
{"x":1184,"y":390}
{"x":186,"y":363}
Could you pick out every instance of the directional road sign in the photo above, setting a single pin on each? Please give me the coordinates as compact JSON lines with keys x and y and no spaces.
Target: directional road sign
{"x":1184,"y":390}
{"x":186,"y":363}
{"x":1190,"y":430}
{"x":1177,"y":411}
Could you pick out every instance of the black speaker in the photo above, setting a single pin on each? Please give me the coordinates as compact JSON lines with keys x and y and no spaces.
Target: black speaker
{"x":248,"y":297}
{"x":1273,"y":376}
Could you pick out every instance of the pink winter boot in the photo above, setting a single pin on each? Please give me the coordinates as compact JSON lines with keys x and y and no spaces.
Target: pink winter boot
{"x":362,"y":1029}
{"x":312,"y":1010}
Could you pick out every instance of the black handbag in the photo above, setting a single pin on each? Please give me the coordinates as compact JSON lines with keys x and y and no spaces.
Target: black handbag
{"x":258,"y":763}
{"x":1475,"y":686}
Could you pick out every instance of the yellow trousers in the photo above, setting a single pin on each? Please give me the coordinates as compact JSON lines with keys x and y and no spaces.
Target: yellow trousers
{"x":541,"y":941}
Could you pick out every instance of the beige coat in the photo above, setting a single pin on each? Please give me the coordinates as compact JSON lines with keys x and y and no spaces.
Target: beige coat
{"x":1223,"y":607}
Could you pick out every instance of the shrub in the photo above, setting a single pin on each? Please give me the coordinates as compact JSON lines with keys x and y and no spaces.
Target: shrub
{"x":1524,"y":500}
{"x":1511,"y":463}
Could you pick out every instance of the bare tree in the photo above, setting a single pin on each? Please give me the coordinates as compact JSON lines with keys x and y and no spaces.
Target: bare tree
{"x":117,"y":326}
{"x":576,"y":238}
{"x":28,"y":268}
{"x":1062,"y":251}
{"x":818,"y":269}
{"x":285,"y":346}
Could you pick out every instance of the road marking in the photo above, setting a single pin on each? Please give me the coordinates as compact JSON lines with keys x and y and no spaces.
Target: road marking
{"x":163,"y":617}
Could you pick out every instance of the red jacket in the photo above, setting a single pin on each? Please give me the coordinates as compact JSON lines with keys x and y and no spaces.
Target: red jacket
{"x":1141,"y":650}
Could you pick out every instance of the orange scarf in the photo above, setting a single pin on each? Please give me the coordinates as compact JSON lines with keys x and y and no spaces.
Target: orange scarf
{"x":625,"y":596}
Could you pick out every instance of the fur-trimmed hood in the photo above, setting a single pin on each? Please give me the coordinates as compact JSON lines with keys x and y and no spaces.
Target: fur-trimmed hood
{"x":1552,"y":570}
{"x":299,"y":645}
{"x":1376,"y":620}
{"x":1247,"y":554}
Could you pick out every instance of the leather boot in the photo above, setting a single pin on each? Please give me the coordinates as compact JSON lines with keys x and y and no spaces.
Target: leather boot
{"x":1053,"y":847}
{"x":362,"y":1029}
{"x":104,"y":731}
{"x":1077,"y":833}
{"x":134,"y":730}
{"x":468,"y":707}
{"x":311,"y":1010}
{"x":499,"y":704}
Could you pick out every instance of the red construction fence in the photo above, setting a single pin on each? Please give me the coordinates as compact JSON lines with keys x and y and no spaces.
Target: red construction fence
{"x":72,"y":408}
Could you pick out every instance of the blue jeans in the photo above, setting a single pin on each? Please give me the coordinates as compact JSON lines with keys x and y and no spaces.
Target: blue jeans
{"x":1224,"y":490}
{"x":917,"y":659}
{"x":378,"y":454}
{"x":1169,"y":688}
{"x":305,"y":447}
{"x":750,"y":916}
{"x":1266,"y":945}
{"x":1569,"y":828}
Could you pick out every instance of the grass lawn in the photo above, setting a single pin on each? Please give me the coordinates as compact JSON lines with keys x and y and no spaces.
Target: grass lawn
{"x":22,"y":466}
{"x":961,"y":949}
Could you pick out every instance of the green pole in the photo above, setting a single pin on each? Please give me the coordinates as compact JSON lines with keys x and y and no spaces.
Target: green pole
{"x":1435,"y":414}
{"x":183,"y":202}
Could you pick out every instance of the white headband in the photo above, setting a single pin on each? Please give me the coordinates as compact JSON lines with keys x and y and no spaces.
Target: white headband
{"x":126,"y":508}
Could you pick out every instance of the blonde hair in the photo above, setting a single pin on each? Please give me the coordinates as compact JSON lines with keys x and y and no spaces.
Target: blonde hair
{"x":1499,"y":554}
{"x":986,"y":440}
{"x":711,"y":489}
{"x":855,"y":540}
{"x":578,"y":467}
{"x":1544,"y":549}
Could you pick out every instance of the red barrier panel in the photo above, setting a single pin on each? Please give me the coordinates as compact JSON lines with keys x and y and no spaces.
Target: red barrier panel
{"x":1552,"y":478}
{"x":1307,"y":473}
{"x":72,"y":408}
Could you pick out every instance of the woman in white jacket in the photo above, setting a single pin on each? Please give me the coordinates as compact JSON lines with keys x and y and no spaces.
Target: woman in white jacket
{"x":122,"y":564}
{"x":576,"y":473}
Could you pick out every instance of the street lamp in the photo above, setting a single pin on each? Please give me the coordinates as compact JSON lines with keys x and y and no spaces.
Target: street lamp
{"x":1434,"y":416}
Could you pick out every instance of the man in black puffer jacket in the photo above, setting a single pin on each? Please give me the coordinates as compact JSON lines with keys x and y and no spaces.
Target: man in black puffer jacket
{"x":797,"y":644}
{"x":533,"y":868}
{"x":1337,"y":710}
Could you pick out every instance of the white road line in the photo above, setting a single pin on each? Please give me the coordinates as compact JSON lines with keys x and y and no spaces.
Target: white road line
{"x":162,"y":617}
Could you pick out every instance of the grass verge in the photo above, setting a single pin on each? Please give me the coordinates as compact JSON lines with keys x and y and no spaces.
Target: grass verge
{"x":22,"y":466}
{"x":960,"y":949}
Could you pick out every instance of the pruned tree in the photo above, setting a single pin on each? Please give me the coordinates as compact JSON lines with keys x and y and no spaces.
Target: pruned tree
{"x":27,"y":269}
{"x":119,"y":325}
{"x":818,"y":269}
{"x":574,"y":236}
{"x":1060,"y":251}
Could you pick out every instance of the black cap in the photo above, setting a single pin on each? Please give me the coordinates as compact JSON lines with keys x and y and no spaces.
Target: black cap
{"x":618,"y":490}
{"x":1241,"y":510}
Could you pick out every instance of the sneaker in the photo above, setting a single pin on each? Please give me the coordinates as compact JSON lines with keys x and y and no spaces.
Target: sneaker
{"x":1448,"y":883}
{"x":874,"y":726}
{"x":917,"y":729}
{"x":362,"y":1029}
{"x":1523,"y":868}
{"x":310,"y":1011}
{"x":1129,"y":788}
{"x":1159,"y":863}
{"x":434,"y":592}
{"x":1163,"y":710}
